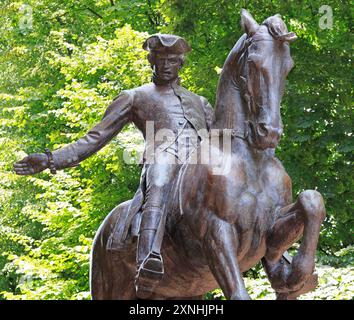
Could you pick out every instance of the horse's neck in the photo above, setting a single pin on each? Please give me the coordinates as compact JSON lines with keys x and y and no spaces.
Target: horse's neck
{"x":258,"y":158}
{"x":229,"y":111}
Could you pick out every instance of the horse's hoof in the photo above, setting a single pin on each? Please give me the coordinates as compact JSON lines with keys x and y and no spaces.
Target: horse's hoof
{"x":240,"y":296}
{"x":309,"y":285}
{"x":301,"y":272}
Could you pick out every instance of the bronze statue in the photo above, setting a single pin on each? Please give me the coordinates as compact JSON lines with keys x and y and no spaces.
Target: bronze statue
{"x":217,"y":225}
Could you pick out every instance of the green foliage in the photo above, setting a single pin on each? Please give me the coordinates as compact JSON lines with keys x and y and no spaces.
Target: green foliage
{"x":59,"y":74}
{"x":334,"y":284}
{"x":335,"y":274}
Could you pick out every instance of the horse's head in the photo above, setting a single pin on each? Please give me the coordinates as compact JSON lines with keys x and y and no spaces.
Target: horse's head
{"x":266,"y":63}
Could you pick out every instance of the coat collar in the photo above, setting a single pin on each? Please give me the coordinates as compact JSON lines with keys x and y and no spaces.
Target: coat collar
{"x":175,"y":82}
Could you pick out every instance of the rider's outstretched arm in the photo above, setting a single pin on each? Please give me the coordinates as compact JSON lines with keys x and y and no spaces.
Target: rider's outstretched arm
{"x":116,"y":116}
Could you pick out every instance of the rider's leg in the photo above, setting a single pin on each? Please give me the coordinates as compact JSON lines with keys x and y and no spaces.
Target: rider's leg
{"x":150,"y":266}
{"x":149,"y":225}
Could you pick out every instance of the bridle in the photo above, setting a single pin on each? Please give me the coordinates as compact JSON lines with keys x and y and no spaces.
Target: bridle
{"x":242,"y":83}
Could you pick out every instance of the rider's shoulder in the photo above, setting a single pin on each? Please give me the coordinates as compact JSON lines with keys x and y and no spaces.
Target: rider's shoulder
{"x":190,"y":93}
{"x":132,"y":93}
{"x":144,"y":89}
{"x":195,"y":95}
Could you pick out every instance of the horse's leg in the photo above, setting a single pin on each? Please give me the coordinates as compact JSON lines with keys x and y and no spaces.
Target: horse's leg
{"x":98,"y":291}
{"x":99,"y":266}
{"x":220,"y":248}
{"x":108,"y":271}
{"x":304,"y":217}
{"x":277,"y":273}
{"x":123,"y":287}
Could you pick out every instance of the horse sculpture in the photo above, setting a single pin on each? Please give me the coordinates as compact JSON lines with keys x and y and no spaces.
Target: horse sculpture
{"x":220,"y":225}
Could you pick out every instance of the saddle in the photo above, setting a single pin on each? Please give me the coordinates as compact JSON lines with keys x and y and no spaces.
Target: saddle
{"x":126,"y":227}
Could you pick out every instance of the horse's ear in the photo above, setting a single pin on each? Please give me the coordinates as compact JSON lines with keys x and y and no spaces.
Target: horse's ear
{"x":249,"y":25}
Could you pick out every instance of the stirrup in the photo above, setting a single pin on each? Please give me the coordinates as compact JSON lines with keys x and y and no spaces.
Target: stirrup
{"x":152,"y":267}
{"x":148,"y":276}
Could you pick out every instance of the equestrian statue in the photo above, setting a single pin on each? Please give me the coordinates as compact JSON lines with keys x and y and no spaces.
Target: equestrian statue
{"x":213,"y":199}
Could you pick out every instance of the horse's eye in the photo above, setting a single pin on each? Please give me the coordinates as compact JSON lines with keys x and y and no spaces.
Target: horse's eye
{"x":256,"y":59}
{"x":254,"y":47}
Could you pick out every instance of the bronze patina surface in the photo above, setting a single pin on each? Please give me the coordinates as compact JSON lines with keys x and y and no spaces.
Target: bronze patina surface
{"x":191,"y":228}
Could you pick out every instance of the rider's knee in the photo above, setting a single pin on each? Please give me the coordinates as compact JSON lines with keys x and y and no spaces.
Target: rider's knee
{"x":313,"y":204}
{"x":150,"y":218}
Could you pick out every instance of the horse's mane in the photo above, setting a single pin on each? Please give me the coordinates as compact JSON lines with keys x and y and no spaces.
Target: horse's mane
{"x":228,"y":105}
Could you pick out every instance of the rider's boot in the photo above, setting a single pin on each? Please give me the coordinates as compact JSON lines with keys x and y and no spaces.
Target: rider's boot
{"x":149,"y":261}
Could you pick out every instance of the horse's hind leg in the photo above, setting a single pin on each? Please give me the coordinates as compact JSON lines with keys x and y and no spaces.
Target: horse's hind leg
{"x":109,"y":271}
{"x":111,"y":277}
{"x":220,"y":248}
{"x":99,"y":262}
{"x":97,"y":283}
{"x":304,"y":217}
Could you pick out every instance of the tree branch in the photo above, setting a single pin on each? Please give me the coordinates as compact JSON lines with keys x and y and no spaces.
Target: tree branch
{"x":150,"y":18}
{"x":94,"y":12}
{"x":153,"y":18}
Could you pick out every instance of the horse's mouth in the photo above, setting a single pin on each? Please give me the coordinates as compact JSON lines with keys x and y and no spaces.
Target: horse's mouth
{"x":263,"y":137}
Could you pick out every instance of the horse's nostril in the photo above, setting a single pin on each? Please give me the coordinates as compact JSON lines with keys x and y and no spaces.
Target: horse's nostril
{"x":262,"y":129}
{"x":272,"y":132}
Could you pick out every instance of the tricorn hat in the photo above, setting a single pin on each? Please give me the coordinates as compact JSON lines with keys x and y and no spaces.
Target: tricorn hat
{"x":166,"y":42}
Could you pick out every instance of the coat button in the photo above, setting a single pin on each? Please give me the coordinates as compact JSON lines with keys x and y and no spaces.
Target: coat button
{"x":180,"y":122}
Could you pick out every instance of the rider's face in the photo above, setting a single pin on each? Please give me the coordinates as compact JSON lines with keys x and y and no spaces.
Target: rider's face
{"x":167,"y":66}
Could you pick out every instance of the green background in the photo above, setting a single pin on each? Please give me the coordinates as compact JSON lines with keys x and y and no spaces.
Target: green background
{"x":62,"y":63}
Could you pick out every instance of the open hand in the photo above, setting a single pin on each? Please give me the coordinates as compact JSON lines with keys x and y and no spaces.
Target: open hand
{"x":31,"y":164}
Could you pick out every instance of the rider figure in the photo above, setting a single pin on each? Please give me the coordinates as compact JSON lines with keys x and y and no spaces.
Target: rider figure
{"x":168,"y":106}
